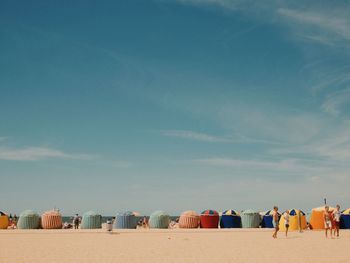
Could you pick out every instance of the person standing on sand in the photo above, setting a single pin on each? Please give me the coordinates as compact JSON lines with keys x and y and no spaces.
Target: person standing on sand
{"x":286,"y":221}
{"x":327,"y":217}
{"x":76,"y":221}
{"x":336,"y":218}
{"x":275,"y":220}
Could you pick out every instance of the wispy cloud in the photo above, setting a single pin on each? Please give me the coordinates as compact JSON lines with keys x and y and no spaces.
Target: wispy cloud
{"x":325,"y":26}
{"x":289,"y":165}
{"x":334,"y":149}
{"x":38,"y":153}
{"x":197,"y":136}
{"x":335,"y":101}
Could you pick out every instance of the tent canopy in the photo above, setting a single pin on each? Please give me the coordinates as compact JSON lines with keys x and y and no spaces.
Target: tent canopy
{"x":230,"y":213}
{"x":346,"y":212}
{"x":210,"y":212}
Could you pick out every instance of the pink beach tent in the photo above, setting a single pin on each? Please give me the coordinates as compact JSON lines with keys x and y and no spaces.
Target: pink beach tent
{"x":51,"y":220}
{"x":189,"y":219}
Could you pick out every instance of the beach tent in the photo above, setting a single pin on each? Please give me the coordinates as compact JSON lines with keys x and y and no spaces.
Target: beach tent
{"x":209,"y":219}
{"x":266,"y":221}
{"x":4,"y":220}
{"x":345,"y":219}
{"x":125,"y":220}
{"x":189,"y":219}
{"x":91,"y":220}
{"x":250,"y":219}
{"x":159,"y":219}
{"x":316,"y":219}
{"x":51,"y":220}
{"x":297,"y":220}
{"x":28,"y":220}
{"x":230,"y":219}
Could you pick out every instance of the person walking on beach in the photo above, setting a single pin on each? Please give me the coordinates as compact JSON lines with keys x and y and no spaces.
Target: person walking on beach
{"x":275,"y":220}
{"x":76,"y":221}
{"x":327,"y":217}
{"x":336,"y":220}
{"x":286,"y":221}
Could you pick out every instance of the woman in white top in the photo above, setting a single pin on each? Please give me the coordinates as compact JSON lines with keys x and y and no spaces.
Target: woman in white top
{"x":286,"y":221}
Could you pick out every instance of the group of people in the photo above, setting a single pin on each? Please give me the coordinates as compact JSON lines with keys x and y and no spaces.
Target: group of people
{"x":13,"y":221}
{"x":331,"y":221}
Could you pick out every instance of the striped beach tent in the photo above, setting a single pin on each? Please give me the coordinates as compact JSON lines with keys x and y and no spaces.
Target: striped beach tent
{"x":4,"y":220}
{"x":28,"y":220}
{"x":51,"y":220}
{"x":159,"y":219}
{"x":345,"y":219}
{"x":126,"y":220}
{"x":297,"y":220}
{"x":230,"y":219}
{"x":91,"y":220}
{"x":250,"y":219}
{"x":209,"y":219}
{"x":316,"y":219}
{"x":189,"y":219}
{"x":266,"y":221}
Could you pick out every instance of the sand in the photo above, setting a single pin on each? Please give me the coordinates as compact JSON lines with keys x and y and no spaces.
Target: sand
{"x":176,"y":245}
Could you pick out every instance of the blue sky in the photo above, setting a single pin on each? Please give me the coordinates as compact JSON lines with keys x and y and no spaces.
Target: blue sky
{"x":174,"y":105}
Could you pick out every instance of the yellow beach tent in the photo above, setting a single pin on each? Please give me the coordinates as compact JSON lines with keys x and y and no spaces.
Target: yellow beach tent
{"x":316,"y":219}
{"x":297,"y":220}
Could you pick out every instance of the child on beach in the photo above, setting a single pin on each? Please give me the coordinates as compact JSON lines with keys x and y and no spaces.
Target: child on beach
{"x":327,"y":217}
{"x":336,"y":220}
{"x":286,"y":221}
{"x":275,"y":220}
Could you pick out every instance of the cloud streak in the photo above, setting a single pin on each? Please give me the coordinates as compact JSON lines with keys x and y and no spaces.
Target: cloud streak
{"x":38,"y":153}
{"x":203,"y":137}
{"x":196,"y":136}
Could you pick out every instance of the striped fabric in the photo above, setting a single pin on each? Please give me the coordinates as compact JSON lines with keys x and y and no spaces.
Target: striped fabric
{"x":346,"y":212}
{"x":91,"y":220}
{"x":28,"y":220}
{"x":51,"y":220}
{"x":125,"y":220}
{"x":230,"y":213}
{"x":159,"y":219}
{"x":189,"y":219}
{"x":250,"y":219}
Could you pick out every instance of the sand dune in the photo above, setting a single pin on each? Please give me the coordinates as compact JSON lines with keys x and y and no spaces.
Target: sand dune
{"x":199,"y":245}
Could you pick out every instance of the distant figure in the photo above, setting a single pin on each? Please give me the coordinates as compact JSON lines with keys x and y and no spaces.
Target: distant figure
{"x":76,"y":221}
{"x":327,"y":217}
{"x":14,"y":220}
{"x":145,"y":222}
{"x":286,"y":221}
{"x":275,"y":220}
{"x":336,"y":219}
{"x":10,"y":220}
{"x":67,"y":225}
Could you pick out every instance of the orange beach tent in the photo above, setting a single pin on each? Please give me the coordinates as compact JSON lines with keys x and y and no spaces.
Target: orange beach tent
{"x":316,"y":219}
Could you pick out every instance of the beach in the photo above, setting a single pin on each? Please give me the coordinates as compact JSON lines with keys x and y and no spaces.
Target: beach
{"x":173,"y":245}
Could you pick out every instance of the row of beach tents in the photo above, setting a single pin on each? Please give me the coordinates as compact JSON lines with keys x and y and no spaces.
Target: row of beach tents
{"x":188,"y":219}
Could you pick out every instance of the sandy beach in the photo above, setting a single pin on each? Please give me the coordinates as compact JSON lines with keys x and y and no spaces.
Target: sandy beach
{"x":177,"y":245}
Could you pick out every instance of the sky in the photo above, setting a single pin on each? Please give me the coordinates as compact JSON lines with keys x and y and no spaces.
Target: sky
{"x":173,"y":105}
